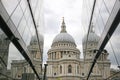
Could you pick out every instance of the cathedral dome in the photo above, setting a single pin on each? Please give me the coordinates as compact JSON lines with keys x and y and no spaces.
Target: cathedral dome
{"x":34,"y":39}
{"x":63,"y":36}
{"x":92,"y":37}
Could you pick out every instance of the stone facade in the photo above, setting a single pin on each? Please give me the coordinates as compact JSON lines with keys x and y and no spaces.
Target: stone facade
{"x":115,"y":74}
{"x":20,"y":68}
{"x":64,"y":61}
{"x":4,"y":48}
{"x":101,"y":69}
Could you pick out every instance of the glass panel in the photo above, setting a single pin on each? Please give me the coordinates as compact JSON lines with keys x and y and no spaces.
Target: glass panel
{"x":104,"y":13}
{"x":100,"y":24}
{"x":97,"y":11}
{"x":33,"y":4}
{"x":4,"y":43}
{"x":8,"y":4}
{"x":98,"y":4}
{"x":98,"y":29}
{"x":15,"y":60}
{"x":114,"y":48}
{"x":27,"y":13}
{"x":22,"y":26}
{"x":17,"y":16}
{"x":31,"y":26}
{"x":29,"y":36}
{"x":25,"y":35}
{"x":37,"y":14}
{"x":110,"y":4}
{"x":23,"y":4}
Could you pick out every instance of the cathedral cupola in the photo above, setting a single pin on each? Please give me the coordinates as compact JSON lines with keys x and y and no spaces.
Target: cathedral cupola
{"x":93,"y":38}
{"x":63,"y":36}
{"x":63,"y":27}
{"x":92,"y":42}
{"x":34,"y":49}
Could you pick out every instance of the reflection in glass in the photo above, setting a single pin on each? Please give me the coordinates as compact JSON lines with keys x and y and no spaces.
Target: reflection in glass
{"x":22,"y":26}
{"x":17,"y":16}
{"x":104,"y":13}
{"x":109,"y":4}
{"x":27,"y":13}
{"x":8,"y":4}
{"x":25,"y":34}
{"x":23,"y":4}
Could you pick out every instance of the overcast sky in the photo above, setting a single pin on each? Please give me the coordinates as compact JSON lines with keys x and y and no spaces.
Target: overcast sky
{"x":54,"y":10}
{"x":71,"y":10}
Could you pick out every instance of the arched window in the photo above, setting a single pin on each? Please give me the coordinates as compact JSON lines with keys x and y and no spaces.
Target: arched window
{"x":69,"y":55}
{"x":24,"y":69}
{"x":69,"y":69}
{"x":60,"y":69}
{"x":50,"y":55}
{"x":78,"y":69}
{"x":55,"y":55}
{"x":61,"y":54}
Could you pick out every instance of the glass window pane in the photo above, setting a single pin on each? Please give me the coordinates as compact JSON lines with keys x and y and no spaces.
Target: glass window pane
{"x":33,"y":4}
{"x":114,"y":44}
{"x":27,"y":13}
{"x":31,"y":25}
{"x":25,"y":34}
{"x":100,"y":24}
{"x":104,"y":13}
{"x":17,"y":16}
{"x":29,"y":36}
{"x":22,"y":26}
{"x":23,"y":4}
{"x":8,"y":4}
{"x":110,"y":4}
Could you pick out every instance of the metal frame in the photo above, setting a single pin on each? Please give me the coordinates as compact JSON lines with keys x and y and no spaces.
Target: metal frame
{"x":111,"y":25}
{"x":36,"y":31}
{"x":15,"y":38}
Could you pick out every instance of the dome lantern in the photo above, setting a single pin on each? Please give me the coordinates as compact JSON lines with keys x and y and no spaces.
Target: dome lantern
{"x":34,"y":39}
{"x":92,"y":37}
{"x":92,"y":28}
{"x":63,"y":27}
{"x":63,"y":36}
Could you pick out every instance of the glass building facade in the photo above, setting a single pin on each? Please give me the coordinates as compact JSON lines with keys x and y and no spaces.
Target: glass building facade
{"x":19,"y":21}
{"x":101,"y":13}
{"x":104,"y":15}
{"x":18,"y":17}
